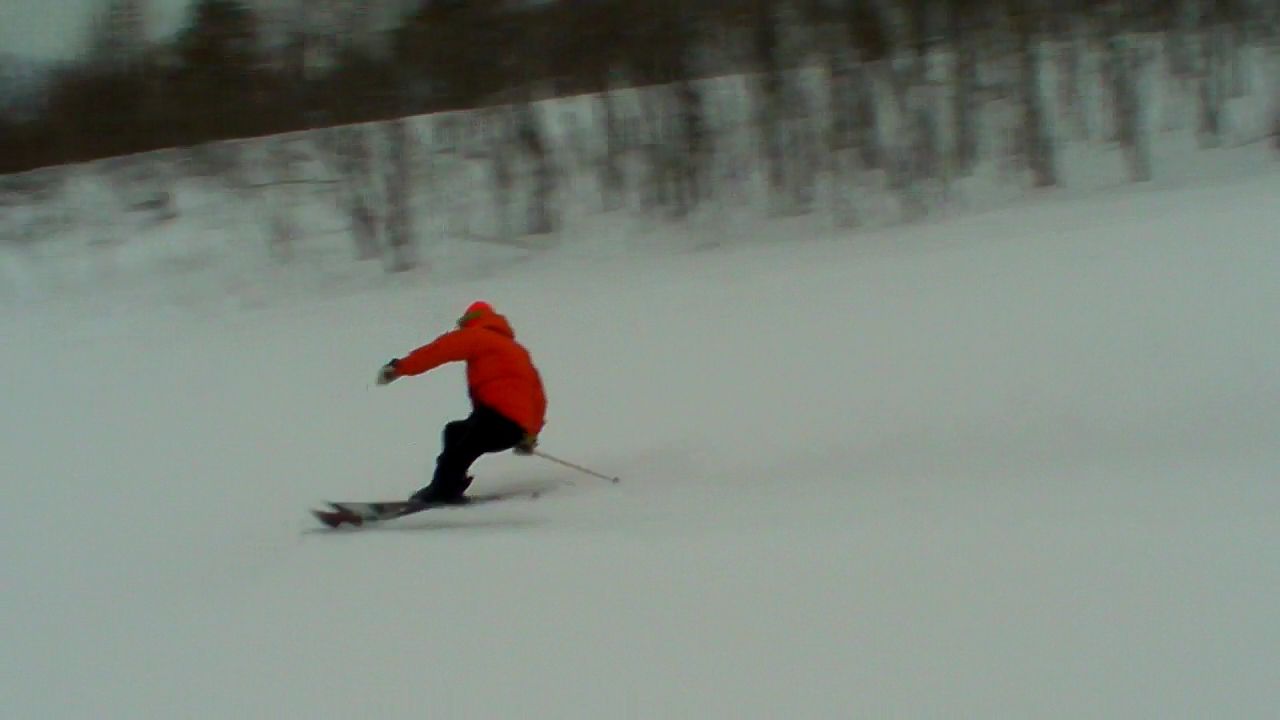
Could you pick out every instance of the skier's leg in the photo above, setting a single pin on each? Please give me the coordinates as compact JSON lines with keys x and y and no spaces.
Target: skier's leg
{"x":464,"y":441}
{"x":457,"y":453}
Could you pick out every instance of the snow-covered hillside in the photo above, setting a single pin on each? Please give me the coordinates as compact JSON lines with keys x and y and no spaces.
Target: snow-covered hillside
{"x":1015,"y":464}
{"x":244,"y":223}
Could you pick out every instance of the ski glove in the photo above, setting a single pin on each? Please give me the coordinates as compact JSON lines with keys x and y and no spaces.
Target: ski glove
{"x":388,"y":373}
{"x":527,"y":445}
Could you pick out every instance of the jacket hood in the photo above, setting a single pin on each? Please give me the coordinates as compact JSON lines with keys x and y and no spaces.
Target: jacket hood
{"x":491,"y":321}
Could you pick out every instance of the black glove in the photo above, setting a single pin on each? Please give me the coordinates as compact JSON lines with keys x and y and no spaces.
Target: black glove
{"x":527,"y":445}
{"x":388,"y":373}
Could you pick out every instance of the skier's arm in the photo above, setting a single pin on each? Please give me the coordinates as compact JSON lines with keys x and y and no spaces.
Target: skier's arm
{"x":450,"y":347}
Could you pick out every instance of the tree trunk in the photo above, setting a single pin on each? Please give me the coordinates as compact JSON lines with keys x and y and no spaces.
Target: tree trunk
{"x":542,"y":216}
{"x":1069,"y":97}
{"x":1037,"y":142}
{"x":1212,"y":47}
{"x":966,"y":137}
{"x":399,"y":179}
{"x":866,"y":122}
{"x":364,"y":227}
{"x":612,"y":180}
{"x":695,"y":150}
{"x":768,"y":95}
{"x":656,"y":187}
{"x":1210,"y":90}
{"x":1124,"y":63}
{"x":799,"y":151}
{"x":355,"y":168}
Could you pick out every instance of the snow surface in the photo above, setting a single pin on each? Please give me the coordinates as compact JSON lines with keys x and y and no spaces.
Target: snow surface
{"x":1016,"y":464}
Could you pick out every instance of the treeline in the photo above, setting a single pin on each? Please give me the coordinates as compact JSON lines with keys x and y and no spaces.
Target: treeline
{"x":241,"y":68}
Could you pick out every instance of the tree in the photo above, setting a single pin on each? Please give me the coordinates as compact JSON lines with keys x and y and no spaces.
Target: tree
{"x":963,"y":19}
{"x":399,"y":184}
{"x":118,"y":35}
{"x":454,"y":53}
{"x":1036,"y":145}
{"x":1123,"y":64}
{"x":218,"y":77}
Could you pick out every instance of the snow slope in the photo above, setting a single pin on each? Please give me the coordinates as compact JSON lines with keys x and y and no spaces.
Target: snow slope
{"x":1019,"y":464}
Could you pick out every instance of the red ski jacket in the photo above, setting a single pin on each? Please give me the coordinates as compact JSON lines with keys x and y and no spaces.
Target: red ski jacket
{"x":500,"y":372}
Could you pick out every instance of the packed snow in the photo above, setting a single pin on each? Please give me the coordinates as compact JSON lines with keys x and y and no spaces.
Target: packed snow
{"x":1017,"y":463}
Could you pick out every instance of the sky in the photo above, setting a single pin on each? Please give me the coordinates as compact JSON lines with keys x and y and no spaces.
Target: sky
{"x":54,"y":29}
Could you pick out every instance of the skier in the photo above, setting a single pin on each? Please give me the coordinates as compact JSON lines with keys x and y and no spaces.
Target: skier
{"x":508,"y":404}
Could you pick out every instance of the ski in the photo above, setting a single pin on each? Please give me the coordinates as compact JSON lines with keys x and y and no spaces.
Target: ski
{"x":360,"y":514}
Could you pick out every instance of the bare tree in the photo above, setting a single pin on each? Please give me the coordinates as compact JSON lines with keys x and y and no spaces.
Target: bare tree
{"x":594,"y":38}
{"x":1037,"y":145}
{"x":399,"y":184}
{"x":1068,"y":18}
{"x":916,"y":98}
{"x":694,"y":150}
{"x":870,"y":42}
{"x":1274,"y":55}
{"x":1173,"y":21}
{"x":520,"y":164}
{"x":543,"y":216}
{"x":768,"y":91}
{"x":347,"y":151}
{"x":282,"y":173}
{"x":963,"y":17}
{"x":783,"y":111}
{"x":1213,"y":50}
{"x":1123,"y":62}
{"x":612,"y":180}
{"x":497,"y":126}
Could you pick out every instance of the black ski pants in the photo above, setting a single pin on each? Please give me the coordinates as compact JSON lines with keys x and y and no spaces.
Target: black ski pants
{"x":464,"y":441}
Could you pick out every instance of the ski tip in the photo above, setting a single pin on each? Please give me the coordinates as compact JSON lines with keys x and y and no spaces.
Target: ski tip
{"x":335,"y":519}
{"x":325,"y":518}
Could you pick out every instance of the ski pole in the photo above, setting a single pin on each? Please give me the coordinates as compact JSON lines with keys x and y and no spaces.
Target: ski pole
{"x":579,"y":468}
